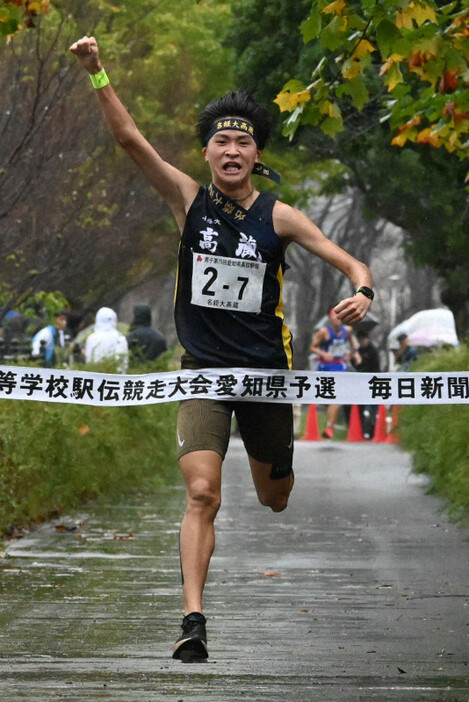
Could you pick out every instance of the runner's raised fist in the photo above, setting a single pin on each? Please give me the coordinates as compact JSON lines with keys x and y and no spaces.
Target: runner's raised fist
{"x":87,"y":52}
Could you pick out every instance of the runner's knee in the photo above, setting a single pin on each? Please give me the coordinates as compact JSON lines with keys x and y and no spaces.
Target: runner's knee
{"x":203,"y":497}
{"x":276,"y":499}
{"x":277,"y":503}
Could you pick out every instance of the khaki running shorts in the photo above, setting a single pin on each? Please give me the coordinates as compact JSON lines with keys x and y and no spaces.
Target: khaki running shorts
{"x":266,"y":428}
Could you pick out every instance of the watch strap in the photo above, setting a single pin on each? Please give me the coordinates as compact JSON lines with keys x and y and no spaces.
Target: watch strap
{"x":367,"y":292}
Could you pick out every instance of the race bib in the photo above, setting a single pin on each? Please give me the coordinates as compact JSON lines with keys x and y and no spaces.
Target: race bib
{"x":220,"y":282}
{"x":338,"y":348}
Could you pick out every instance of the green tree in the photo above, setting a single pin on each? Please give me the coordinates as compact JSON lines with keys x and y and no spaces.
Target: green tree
{"x":75,"y":214}
{"x":418,"y":187}
{"x":15,"y":15}
{"x":408,"y":57}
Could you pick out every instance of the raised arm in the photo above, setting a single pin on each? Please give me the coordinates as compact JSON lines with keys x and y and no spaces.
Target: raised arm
{"x":178,"y":189}
{"x":292,"y":225}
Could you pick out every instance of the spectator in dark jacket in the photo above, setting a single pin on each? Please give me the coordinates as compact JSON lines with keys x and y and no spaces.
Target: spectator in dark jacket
{"x":369,"y":364}
{"x":369,"y":354}
{"x":405,"y":354}
{"x":145,"y":343}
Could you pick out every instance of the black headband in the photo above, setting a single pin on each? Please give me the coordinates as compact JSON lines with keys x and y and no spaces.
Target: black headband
{"x":243,"y":125}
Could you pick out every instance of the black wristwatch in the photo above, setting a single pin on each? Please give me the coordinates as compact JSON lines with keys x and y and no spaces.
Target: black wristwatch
{"x":367,"y":292}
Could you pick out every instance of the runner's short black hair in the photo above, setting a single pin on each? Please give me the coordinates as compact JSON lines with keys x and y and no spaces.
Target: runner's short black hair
{"x":235,"y":104}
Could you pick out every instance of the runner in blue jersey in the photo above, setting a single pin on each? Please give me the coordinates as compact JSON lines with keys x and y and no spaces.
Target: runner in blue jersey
{"x":228,"y":309}
{"x":333,"y":345}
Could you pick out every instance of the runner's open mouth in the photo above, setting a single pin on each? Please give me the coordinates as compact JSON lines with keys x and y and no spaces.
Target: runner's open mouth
{"x":231,"y":167}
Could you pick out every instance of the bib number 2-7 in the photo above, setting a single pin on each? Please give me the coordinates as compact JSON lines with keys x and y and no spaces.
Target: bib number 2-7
{"x":220,"y":282}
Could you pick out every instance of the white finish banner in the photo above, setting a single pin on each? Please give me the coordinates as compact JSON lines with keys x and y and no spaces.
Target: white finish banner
{"x":80,"y":387}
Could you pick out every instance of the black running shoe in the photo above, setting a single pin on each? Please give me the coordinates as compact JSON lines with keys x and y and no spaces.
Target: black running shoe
{"x":191,"y":646}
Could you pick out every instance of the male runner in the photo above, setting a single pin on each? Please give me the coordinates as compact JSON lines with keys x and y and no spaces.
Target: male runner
{"x":333,"y":345}
{"x":228,"y":310}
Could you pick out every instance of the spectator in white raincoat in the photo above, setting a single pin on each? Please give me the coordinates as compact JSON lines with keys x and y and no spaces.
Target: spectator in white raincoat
{"x":106,"y":342}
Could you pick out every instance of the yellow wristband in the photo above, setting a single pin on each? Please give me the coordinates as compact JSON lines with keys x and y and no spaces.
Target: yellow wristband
{"x":99,"y":80}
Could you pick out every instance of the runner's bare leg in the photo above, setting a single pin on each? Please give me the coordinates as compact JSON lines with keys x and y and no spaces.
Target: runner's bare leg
{"x":332,"y":415}
{"x":271,"y":493}
{"x":202,"y":474}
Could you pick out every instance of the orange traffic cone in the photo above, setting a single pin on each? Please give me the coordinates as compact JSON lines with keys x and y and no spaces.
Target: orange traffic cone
{"x":311,"y":430}
{"x":355,"y":432}
{"x":381,"y":432}
{"x":392,"y":437}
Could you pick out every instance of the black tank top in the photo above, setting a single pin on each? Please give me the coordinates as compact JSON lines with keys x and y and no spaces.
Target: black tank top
{"x":228,"y":307}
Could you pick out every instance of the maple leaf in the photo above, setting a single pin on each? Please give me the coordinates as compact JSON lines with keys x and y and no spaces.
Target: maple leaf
{"x":418,"y":13}
{"x":394,"y":58}
{"x":403,"y":20}
{"x":350,"y":69}
{"x":288,"y":101}
{"x":406,"y":132}
{"x":449,"y":82}
{"x":460,"y":26}
{"x":285,"y":101}
{"x":399,"y":140}
{"x":414,"y":122}
{"x":393,"y":77}
{"x":326,"y":107}
{"x":419,"y":59}
{"x":363,"y":48}
{"x":336,"y":7}
{"x":422,"y":12}
{"x":428,"y":136}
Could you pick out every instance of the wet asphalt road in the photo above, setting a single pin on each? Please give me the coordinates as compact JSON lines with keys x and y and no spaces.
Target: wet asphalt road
{"x":359,"y":591}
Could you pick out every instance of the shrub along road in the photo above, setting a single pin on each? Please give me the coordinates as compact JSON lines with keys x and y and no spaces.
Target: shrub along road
{"x":358,"y":591}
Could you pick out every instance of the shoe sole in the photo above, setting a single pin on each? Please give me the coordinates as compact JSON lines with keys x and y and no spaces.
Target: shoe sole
{"x":191,"y":651}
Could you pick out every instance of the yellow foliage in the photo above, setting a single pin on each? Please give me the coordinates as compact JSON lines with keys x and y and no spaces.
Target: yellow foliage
{"x":350,"y":69}
{"x":331,"y":109}
{"x":336,"y":7}
{"x":454,"y":137}
{"x":288,"y":101}
{"x":407,"y":131}
{"x":423,"y":12}
{"x":363,"y":48}
{"x":428,"y":136}
{"x":460,"y":26}
{"x":399,"y":140}
{"x":394,"y":58}
{"x":418,"y":12}
{"x":285,"y":101}
{"x":403,"y":21}
{"x":393,"y":77}
{"x":35,"y":6}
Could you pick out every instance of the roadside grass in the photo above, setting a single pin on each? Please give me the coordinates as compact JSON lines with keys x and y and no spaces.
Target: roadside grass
{"x":55,"y":457}
{"x":438,"y":436}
